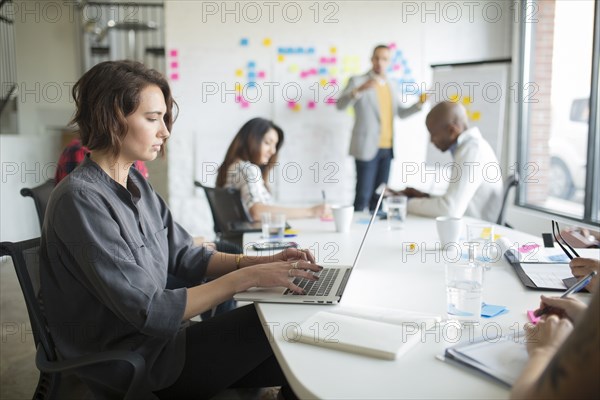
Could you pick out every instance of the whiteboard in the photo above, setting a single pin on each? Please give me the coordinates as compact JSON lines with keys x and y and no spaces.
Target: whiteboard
{"x":483,"y":89}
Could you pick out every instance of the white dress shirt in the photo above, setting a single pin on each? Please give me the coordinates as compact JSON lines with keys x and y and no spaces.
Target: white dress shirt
{"x":475,"y":184}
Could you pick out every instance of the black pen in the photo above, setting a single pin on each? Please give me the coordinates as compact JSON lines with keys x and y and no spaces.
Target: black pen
{"x":324,"y":198}
{"x":573,"y":289}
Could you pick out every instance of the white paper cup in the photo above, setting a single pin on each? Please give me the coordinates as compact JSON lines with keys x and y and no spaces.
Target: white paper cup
{"x":342,"y":215}
{"x":448,"y":229}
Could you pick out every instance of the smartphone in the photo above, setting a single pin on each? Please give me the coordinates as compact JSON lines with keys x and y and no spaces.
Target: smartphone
{"x":274,"y":245}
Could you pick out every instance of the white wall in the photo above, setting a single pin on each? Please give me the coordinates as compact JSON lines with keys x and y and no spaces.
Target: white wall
{"x":47,"y":66}
{"x":207,"y":37}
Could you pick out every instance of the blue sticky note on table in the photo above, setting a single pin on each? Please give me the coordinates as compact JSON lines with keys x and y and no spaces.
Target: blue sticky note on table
{"x":490,"y":310}
{"x":560,"y":258}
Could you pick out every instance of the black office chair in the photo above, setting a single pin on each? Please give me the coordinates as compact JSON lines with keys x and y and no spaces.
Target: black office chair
{"x":226,"y":206}
{"x":40,"y":195}
{"x":512,"y":181}
{"x":56,"y":379}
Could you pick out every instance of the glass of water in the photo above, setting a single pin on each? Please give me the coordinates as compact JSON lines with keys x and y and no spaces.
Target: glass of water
{"x":480,"y":241}
{"x":396,"y":211}
{"x":464,"y":286}
{"x":273,"y":226}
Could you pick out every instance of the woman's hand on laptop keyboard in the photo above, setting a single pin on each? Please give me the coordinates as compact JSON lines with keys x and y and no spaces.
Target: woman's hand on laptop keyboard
{"x":293,"y":254}
{"x":282,"y":273}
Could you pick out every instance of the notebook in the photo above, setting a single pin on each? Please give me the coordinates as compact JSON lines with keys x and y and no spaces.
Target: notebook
{"x":375,"y":332}
{"x":327,"y":290}
{"x":501,"y":359}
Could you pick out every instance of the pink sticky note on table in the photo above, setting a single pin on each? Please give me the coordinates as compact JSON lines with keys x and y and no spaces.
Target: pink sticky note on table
{"x":291,"y":104}
{"x":311,"y":104}
{"x":174,"y":76}
{"x":261,"y":74}
{"x":173,"y":53}
{"x":534,"y":320}
{"x":526,"y":248}
{"x":174,"y":64}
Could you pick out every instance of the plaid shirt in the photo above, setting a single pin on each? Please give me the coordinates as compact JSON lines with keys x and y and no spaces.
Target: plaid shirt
{"x":74,"y":154}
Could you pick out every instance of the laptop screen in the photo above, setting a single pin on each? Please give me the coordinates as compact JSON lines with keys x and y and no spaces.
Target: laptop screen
{"x":362,"y":243}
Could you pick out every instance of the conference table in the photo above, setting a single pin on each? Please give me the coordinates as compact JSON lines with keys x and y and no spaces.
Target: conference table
{"x":400,"y":269}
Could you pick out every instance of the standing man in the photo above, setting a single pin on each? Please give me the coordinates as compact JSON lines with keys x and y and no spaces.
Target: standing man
{"x":375,"y":104}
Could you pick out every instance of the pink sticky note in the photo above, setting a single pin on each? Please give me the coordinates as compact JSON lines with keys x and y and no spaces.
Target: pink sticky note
{"x":311,"y":104}
{"x":323,"y":60}
{"x":313,"y":71}
{"x":330,"y":100}
{"x":396,"y":67}
{"x":245,"y":104}
{"x":534,"y":320}
{"x":174,"y":64}
{"x":392,"y":45}
{"x":174,"y":76}
{"x":173,"y":53}
{"x":333,"y":60}
{"x":261,"y":74}
{"x":333,"y":81}
{"x":303,"y":74}
{"x":291,"y":104}
{"x":526,"y":248}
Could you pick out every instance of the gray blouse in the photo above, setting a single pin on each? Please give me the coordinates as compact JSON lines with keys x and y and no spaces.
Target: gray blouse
{"x":106,"y":252}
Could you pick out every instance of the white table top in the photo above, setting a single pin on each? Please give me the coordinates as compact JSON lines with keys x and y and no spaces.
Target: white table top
{"x":388,"y":276}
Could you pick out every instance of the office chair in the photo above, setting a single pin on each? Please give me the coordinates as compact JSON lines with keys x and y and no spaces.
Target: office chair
{"x":56,"y":379}
{"x":226,"y":206}
{"x":40,"y":195}
{"x":512,"y":181}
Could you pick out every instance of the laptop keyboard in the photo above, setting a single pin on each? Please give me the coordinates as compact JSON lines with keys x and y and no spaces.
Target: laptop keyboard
{"x":322,"y":287}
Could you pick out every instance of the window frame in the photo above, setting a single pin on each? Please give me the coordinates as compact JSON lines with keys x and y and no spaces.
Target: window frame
{"x":591,"y":215}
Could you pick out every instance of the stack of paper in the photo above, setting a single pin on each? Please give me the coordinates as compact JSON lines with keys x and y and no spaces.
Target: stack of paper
{"x":376,"y":332}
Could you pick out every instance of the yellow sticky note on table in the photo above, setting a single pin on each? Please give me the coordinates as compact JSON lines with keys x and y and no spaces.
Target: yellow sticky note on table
{"x":281,"y":58}
{"x":239,"y":72}
{"x":486,"y":232}
{"x":267,"y":42}
{"x":475,"y":116}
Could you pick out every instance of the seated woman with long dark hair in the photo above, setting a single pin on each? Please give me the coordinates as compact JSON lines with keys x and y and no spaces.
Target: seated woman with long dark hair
{"x":250,"y":158}
{"x":109,"y":241}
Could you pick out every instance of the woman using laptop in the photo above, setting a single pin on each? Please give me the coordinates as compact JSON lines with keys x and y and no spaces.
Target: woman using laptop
{"x":109,"y":241}
{"x":249,"y":159}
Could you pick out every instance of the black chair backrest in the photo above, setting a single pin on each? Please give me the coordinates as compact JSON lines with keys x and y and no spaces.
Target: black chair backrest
{"x":511,"y":181}
{"x":40,"y":195}
{"x":26,"y":260}
{"x":226,"y":206}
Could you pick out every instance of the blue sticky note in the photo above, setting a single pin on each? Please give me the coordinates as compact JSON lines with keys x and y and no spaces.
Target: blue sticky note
{"x":244,"y":42}
{"x":561,"y":258}
{"x":490,"y":310}
{"x":311,"y":50}
{"x":251,"y":64}
{"x":363,"y":221}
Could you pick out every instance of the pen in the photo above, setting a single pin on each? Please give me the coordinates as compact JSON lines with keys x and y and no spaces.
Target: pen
{"x":324,"y":197}
{"x":573,"y":289}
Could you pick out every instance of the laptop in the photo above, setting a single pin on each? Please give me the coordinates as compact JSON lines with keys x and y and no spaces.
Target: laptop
{"x":249,"y":227}
{"x":327,"y":290}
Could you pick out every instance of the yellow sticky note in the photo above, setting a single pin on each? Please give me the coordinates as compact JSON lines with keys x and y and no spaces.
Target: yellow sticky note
{"x":239,"y":72}
{"x":486,"y":232}
{"x":267,"y":42}
{"x":476,"y":116}
{"x":297,"y":107}
{"x":281,"y":58}
{"x":423,"y":98}
{"x":333,"y":50}
{"x":333,"y":70}
{"x":323,"y":82}
{"x":466,"y":100}
{"x":453,"y":98}
{"x":238,"y":87}
{"x":496,"y":237}
{"x":294,"y":68}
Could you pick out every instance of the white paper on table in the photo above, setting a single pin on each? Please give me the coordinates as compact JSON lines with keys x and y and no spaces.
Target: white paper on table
{"x":548,"y":275}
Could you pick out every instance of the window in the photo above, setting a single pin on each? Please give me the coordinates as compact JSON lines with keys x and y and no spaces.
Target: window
{"x":558,"y":116}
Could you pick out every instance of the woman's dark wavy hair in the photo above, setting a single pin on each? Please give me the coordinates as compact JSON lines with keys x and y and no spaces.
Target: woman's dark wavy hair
{"x":109,"y":92}
{"x":246,"y":146}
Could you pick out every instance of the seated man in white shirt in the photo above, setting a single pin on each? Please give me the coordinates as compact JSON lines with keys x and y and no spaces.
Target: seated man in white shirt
{"x":475,"y":185}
